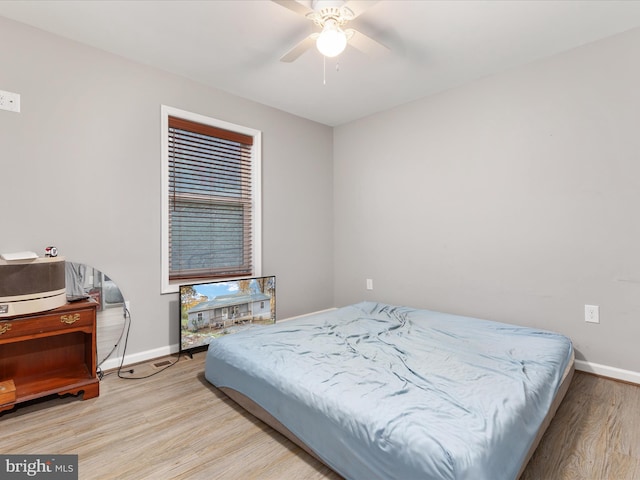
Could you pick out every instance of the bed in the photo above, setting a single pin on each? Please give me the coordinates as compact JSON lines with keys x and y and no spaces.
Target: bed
{"x":383,"y":391}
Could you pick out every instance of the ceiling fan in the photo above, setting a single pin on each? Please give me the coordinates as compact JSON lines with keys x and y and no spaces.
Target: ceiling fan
{"x":331,"y":16}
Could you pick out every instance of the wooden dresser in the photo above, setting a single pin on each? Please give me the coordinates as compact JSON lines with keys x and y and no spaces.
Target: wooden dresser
{"x":45,"y":353}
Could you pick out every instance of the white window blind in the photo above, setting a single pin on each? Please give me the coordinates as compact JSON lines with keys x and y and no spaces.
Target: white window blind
{"x":210,"y":201}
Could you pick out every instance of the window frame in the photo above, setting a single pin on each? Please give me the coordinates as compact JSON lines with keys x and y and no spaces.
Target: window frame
{"x":172,"y":286}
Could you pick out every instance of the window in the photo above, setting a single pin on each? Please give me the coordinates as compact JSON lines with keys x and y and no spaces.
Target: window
{"x":211,"y":193}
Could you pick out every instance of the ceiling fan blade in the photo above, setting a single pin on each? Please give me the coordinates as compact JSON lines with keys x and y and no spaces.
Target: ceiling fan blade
{"x":299,"y":49}
{"x":366,"y":44}
{"x":358,"y":7}
{"x":294,"y":6}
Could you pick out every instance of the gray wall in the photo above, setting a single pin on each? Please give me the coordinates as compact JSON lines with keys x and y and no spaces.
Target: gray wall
{"x":513,"y":198}
{"x":80,"y":169}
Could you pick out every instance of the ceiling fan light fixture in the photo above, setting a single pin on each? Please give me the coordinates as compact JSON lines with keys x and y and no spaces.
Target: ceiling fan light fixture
{"x":332,"y":41}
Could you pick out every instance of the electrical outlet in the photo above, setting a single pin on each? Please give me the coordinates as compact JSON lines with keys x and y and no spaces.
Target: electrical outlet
{"x":369,"y":284}
{"x":592,"y":313}
{"x":9,"y":101}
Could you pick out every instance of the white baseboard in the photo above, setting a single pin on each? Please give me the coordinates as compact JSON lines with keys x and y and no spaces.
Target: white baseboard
{"x":168,"y":350}
{"x":305,"y":315}
{"x":582,"y":365}
{"x":611,"y":372}
{"x":111,"y":363}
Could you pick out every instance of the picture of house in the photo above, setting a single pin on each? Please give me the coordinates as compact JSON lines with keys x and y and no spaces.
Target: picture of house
{"x":226,"y":310}
{"x":211,"y":310}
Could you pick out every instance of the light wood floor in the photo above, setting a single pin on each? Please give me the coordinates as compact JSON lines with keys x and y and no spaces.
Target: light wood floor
{"x":175,"y":425}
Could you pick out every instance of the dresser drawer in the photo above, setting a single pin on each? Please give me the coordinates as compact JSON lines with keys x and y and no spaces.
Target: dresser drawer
{"x":57,"y":322}
{"x":48,"y":353}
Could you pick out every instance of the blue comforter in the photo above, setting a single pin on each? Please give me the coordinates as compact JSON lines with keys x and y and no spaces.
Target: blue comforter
{"x":379,"y":391}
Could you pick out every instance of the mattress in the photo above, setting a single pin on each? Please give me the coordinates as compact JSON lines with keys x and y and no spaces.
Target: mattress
{"x":382,"y":391}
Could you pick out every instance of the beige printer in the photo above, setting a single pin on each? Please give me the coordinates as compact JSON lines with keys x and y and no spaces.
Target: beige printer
{"x":31,"y":285}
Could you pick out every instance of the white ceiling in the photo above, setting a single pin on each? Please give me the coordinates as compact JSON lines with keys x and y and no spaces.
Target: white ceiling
{"x":235,"y":45}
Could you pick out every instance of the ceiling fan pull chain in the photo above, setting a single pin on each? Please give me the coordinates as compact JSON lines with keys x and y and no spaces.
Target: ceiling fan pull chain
{"x":337,"y":65}
{"x":324,"y":70}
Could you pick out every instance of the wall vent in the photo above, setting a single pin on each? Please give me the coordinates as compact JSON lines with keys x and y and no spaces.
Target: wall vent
{"x":160,"y":364}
